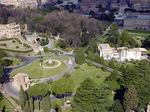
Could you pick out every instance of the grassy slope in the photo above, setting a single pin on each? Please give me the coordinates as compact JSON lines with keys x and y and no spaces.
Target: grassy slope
{"x":139,"y":33}
{"x":5,"y":103}
{"x":85,"y":71}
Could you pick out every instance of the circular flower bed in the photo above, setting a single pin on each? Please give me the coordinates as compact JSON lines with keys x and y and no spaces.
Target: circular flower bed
{"x":53,"y":64}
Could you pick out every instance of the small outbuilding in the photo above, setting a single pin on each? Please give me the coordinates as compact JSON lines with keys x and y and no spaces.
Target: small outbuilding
{"x":21,"y":79}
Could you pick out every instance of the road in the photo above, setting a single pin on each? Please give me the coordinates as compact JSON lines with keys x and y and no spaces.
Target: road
{"x":100,"y":65}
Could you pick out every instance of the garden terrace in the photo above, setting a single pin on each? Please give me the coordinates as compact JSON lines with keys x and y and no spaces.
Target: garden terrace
{"x":5,"y":103}
{"x":14,"y":45}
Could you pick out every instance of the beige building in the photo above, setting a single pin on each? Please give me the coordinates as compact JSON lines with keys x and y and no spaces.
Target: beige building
{"x":141,"y":22}
{"x":21,"y":3}
{"x":121,"y":53}
{"x":21,"y":79}
{"x":33,"y":4}
{"x":10,"y":2}
{"x":11,"y":30}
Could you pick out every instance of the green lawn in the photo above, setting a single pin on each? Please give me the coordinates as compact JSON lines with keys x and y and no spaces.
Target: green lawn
{"x":5,"y":103}
{"x":139,"y":33}
{"x":14,"y":45}
{"x":34,"y":70}
{"x":85,"y":71}
{"x":16,"y":61}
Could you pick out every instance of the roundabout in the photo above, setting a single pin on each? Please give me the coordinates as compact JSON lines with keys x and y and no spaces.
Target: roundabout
{"x":51,"y":64}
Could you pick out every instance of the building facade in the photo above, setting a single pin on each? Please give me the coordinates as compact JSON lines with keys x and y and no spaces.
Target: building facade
{"x":21,"y":79}
{"x":32,"y":4}
{"x":21,"y":3}
{"x":141,"y":22}
{"x":121,"y":53}
{"x":9,"y":2}
{"x":11,"y":30}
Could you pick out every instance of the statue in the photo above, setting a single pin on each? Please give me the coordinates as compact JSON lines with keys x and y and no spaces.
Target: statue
{"x":50,"y":61}
{"x":70,"y":62}
{"x":148,"y":108}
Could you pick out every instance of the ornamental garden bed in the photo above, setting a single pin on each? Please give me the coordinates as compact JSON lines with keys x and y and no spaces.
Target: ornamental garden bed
{"x":14,"y":45}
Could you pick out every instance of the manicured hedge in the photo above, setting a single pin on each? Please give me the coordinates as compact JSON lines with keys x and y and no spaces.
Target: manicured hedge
{"x":17,"y":51}
{"x":7,"y":39}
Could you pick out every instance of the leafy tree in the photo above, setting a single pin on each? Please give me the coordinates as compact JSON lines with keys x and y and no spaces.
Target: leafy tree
{"x":142,"y":83}
{"x":100,"y":60}
{"x":6,"y":62}
{"x":61,"y":44}
{"x":138,"y":75}
{"x":90,"y":55}
{"x":2,"y":54}
{"x":112,"y":63}
{"x":125,"y":38}
{"x":130,"y":100}
{"x":1,"y":72}
{"x":117,"y":107}
{"x":58,"y":108}
{"x":92,"y":45}
{"x":113,"y":76}
{"x":44,"y":41}
{"x":38,"y":90}
{"x":80,"y":58}
{"x":84,"y":98}
{"x":114,"y":36}
{"x":46,"y":49}
{"x":113,"y":80}
{"x":63,"y":86}
{"x":146,"y":43}
{"x":57,"y":105}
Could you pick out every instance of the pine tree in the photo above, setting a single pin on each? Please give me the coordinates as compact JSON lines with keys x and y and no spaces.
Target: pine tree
{"x":112,"y":63}
{"x":101,"y":99}
{"x":130,"y":100}
{"x":46,"y":103}
{"x":84,"y":98}
{"x":23,"y":97}
{"x":27,"y":107}
{"x":31,"y":102}
{"x":117,"y":107}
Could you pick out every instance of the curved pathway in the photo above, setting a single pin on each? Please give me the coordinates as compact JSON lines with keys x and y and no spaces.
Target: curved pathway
{"x":10,"y":90}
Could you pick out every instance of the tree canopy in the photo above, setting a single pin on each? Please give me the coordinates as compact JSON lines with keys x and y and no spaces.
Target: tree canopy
{"x":38,"y":89}
{"x":91,"y":98}
{"x":130,"y":100}
{"x":138,"y":76}
{"x":62,"y":86}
